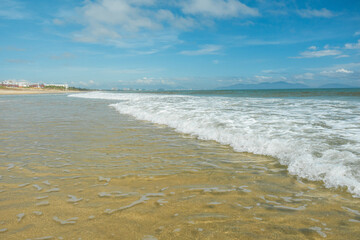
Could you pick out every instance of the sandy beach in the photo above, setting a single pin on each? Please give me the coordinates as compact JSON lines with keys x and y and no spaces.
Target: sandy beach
{"x":22,"y":91}
{"x":74,"y":167}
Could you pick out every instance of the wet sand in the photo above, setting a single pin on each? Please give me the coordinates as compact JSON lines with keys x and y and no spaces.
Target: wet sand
{"x":83,"y":171}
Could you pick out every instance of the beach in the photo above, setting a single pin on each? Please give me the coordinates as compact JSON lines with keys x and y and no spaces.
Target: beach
{"x":89,"y":166}
{"x":179,"y":120}
{"x":22,"y":91}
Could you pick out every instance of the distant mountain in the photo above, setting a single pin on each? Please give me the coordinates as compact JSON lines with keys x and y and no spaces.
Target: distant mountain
{"x":265,"y":85}
{"x":335,"y":85}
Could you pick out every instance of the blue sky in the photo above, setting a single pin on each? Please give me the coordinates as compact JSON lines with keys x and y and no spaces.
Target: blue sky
{"x":193,"y":44}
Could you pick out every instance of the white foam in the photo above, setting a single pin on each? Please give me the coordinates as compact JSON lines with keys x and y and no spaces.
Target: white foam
{"x":102,"y":179}
{"x":161,"y":202}
{"x":292,"y":208}
{"x":37,"y":187}
{"x":47,"y":182}
{"x":318,"y":230}
{"x":67,"y":221}
{"x":143,"y":199}
{"x":10,"y":166}
{"x":243,"y":189}
{"x":212,"y":190}
{"x":149,"y":237}
{"x":41,"y":197}
{"x":38,"y":213}
{"x":104,"y":194}
{"x":74,"y":199}
{"x":41,"y":238}
{"x":24,"y":185}
{"x":116,"y":194}
{"x":316,"y":139}
{"x":20,"y":216}
{"x":354,"y":220}
{"x":53,"y":190}
{"x":42,"y":203}
{"x":352,"y":211}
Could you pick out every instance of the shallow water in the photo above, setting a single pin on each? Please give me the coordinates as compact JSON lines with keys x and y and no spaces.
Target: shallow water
{"x":71,"y":168}
{"x":317,"y":138}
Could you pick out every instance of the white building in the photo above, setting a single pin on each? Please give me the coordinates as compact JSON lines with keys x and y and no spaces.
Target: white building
{"x":23,"y":83}
{"x":14,"y":83}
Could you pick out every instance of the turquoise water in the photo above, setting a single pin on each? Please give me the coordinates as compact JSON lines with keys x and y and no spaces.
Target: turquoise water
{"x":344,"y":93}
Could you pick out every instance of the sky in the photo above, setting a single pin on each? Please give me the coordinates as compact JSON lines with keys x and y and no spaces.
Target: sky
{"x":173,"y":44}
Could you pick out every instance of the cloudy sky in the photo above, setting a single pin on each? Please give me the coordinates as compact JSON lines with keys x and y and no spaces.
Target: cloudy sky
{"x":197,"y":44}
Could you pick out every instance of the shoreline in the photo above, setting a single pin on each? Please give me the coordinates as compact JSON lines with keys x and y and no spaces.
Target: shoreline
{"x":78,"y":164}
{"x":21,"y":91}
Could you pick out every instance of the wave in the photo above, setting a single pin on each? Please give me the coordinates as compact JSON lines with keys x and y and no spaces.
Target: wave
{"x":316,"y":139}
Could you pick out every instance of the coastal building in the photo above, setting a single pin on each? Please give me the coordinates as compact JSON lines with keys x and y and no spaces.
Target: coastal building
{"x":66,"y":86}
{"x":14,"y":83}
{"x":25,"y":84}
{"x":36,"y":85}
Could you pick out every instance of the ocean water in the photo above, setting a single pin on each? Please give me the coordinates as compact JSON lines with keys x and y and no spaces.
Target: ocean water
{"x":180,"y":165}
{"x":314,"y":133}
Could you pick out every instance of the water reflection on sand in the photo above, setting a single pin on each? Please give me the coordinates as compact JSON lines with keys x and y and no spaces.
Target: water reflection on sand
{"x":79,"y":171}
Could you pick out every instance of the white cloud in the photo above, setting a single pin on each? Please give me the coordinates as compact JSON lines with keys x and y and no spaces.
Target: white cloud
{"x":88,"y":83}
{"x":320,"y":53}
{"x":114,"y":12}
{"x":247,"y":23}
{"x":12,"y":9}
{"x":178,"y":22}
{"x":152,"y":81}
{"x":147,"y":23}
{"x":343,"y":70}
{"x":105,"y":17}
{"x":353,"y":45}
{"x":57,"y":21}
{"x":128,"y":23}
{"x":348,"y":73}
{"x":146,"y":52}
{"x":336,"y":72}
{"x":312,"y":48}
{"x":262,"y":78}
{"x":204,"y":50}
{"x":305,"y":76}
{"x":357,"y":33}
{"x":274,"y":71}
{"x":310,"y":13}
{"x":342,"y":56}
{"x":145,"y":80}
{"x":218,"y":8}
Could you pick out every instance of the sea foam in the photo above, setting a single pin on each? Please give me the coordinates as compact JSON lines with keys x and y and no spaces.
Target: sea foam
{"x":317,"y":139}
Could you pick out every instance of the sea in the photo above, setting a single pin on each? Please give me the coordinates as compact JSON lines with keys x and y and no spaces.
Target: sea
{"x":234,"y":164}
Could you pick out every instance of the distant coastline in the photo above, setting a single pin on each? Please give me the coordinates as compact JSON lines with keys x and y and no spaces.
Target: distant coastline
{"x":281,"y":85}
{"x":25,"y":91}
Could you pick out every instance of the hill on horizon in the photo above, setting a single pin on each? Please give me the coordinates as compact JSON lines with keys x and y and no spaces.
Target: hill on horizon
{"x":265,"y":85}
{"x":280,"y":85}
